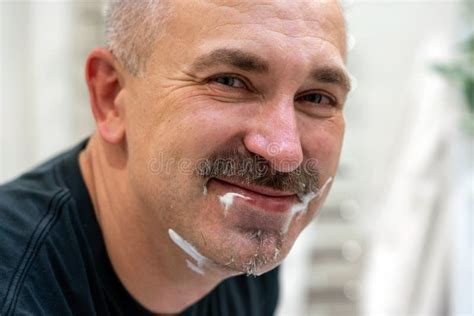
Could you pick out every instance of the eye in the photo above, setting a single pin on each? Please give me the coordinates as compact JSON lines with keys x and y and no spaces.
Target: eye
{"x":318,"y":104}
{"x":229,"y":81}
{"x":318,"y":98}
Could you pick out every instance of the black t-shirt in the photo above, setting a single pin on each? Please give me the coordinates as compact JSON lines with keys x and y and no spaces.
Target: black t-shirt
{"x":53,"y":259}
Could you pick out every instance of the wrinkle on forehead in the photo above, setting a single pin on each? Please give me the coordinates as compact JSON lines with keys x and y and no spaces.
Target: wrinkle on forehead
{"x":284,"y":9}
{"x":292,"y":18}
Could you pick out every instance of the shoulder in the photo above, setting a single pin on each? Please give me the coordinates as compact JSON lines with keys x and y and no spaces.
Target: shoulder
{"x":30,"y":208}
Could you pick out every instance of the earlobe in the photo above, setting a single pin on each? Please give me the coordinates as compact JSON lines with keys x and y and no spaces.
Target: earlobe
{"x":105,"y":87}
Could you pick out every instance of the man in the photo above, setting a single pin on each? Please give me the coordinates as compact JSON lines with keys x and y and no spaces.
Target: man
{"x":219,"y":129}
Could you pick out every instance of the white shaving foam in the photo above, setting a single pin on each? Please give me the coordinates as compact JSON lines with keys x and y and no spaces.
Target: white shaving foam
{"x":303,"y":205}
{"x":201,"y":261}
{"x":228,"y":199}
{"x":194,"y":267}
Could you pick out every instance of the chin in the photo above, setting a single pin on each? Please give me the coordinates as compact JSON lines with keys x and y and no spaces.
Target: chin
{"x":250,"y":251}
{"x":245,"y":240}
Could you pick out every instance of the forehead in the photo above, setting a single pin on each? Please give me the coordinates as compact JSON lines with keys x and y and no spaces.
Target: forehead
{"x":303,"y":30}
{"x":292,"y":17}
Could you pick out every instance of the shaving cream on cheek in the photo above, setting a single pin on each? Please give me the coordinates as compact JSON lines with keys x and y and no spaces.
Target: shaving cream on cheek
{"x":190,"y":250}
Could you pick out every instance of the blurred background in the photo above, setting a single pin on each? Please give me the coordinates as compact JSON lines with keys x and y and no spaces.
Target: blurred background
{"x":396,"y":234}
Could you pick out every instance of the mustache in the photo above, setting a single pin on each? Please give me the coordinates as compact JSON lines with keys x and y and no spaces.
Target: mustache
{"x":249,"y":168}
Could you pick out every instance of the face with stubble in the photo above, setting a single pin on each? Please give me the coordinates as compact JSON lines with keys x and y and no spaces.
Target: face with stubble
{"x":235,"y":128}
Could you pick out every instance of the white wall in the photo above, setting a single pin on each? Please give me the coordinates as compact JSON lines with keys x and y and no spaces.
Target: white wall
{"x":44,"y":106}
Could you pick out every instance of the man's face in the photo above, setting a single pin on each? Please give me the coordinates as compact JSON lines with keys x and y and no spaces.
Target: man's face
{"x":262,"y":82}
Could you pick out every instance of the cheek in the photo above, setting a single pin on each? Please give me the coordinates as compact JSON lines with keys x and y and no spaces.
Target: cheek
{"x":165,"y":154}
{"x":324,"y":144}
{"x":203,"y":126}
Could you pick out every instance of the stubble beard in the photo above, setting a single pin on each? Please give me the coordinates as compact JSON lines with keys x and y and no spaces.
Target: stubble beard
{"x":267,"y":247}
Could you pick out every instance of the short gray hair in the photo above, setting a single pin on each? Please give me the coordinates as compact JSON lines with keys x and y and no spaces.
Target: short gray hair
{"x":132,"y":28}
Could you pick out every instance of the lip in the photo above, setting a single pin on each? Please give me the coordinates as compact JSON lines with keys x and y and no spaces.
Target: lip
{"x":262,"y":199}
{"x":259,"y":189}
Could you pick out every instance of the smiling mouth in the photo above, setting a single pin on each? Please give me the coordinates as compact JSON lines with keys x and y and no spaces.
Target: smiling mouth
{"x":265,"y":191}
{"x":261,"y":198}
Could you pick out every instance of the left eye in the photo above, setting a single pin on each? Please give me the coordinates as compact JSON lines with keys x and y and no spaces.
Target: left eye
{"x":229,"y":81}
{"x":317,"y":98}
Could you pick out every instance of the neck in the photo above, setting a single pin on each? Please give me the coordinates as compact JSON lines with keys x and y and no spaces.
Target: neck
{"x":147,"y":262}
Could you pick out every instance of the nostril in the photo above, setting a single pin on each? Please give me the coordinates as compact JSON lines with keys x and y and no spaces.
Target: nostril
{"x":256,"y":143}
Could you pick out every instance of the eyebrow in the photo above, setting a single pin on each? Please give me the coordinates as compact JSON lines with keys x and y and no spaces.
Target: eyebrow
{"x":332,"y":75}
{"x":234,"y":57}
{"x":250,"y":62}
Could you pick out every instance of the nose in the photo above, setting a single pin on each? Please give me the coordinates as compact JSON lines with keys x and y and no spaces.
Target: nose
{"x":274,"y":136}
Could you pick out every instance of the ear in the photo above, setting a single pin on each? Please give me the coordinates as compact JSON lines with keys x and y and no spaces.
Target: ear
{"x":105,"y":85}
